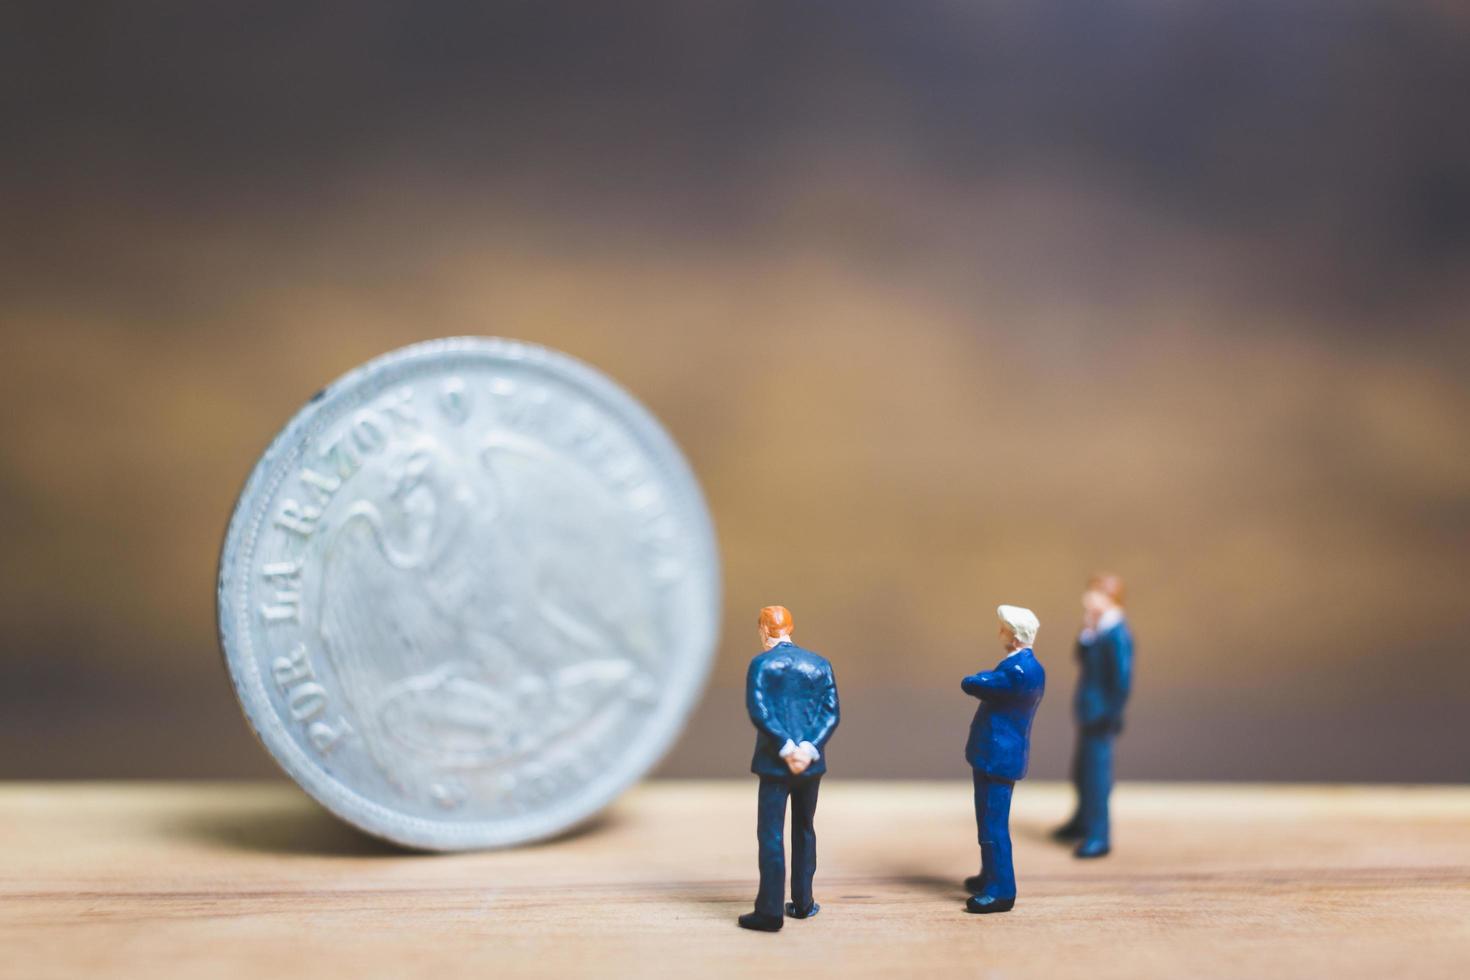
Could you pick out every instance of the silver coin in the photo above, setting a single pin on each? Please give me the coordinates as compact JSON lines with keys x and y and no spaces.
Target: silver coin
{"x":469,"y":594}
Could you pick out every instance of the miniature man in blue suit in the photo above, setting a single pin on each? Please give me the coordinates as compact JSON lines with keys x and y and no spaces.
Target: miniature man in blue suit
{"x":1105,"y":654}
{"x":1000,"y":739}
{"x":792,"y":699}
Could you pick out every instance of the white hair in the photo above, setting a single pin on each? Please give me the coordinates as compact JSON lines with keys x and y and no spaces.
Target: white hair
{"x":1022,"y":622}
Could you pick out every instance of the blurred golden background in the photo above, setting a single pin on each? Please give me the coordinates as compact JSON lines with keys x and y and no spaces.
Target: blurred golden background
{"x":949,"y":305}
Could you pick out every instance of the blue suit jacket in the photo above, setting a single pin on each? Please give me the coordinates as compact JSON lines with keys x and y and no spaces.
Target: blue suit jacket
{"x":1000,"y":735}
{"x":1107,"y":675}
{"x":790,"y":694}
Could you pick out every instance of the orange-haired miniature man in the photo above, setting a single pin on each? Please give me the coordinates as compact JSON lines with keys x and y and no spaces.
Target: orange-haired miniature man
{"x":792,"y":699}
{"x":1105,"y":654}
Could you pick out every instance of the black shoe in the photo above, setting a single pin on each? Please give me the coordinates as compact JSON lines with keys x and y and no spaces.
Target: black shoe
{"x":1092,"y":849}
{"x":975,"y":884}
{"x":791,"y":911}
{"x":1071,"y":830}
{"x":760,"y":922}
{"x":981,"y":904}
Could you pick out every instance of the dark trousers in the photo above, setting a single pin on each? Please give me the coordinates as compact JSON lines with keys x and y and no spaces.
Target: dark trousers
{"x":770,"y":823}
{"x":1092,"y":773}
{"x":993,"y":818}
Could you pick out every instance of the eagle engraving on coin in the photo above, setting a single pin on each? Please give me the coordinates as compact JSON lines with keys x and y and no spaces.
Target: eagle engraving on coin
{"x":465,"y":617}
{"x":469,"y":594}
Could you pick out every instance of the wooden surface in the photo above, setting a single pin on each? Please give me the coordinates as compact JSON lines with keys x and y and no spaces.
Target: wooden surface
{"x":252,"y":880}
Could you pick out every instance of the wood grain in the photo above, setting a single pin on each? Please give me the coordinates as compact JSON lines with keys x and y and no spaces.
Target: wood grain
{"x":252,"y":880}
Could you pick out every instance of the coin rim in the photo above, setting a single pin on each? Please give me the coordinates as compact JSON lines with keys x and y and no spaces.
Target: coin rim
{"x":244,"y":670}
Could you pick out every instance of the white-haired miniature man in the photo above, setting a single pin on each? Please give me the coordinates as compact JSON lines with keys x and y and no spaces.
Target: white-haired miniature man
{"x":1000,"y":739}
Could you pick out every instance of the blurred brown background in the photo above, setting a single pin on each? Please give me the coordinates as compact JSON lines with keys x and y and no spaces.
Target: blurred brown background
{"x":949,"y":304}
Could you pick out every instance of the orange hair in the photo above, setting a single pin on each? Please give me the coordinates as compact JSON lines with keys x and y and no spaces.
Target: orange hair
{"x":775,"y":620}
{"x":1109,"y":585}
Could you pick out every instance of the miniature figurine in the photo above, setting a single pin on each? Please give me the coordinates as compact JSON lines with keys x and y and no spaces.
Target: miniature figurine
{"x":1105,"y":654}
{"x":1000,"y":738}
{"x":792,"y":699}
